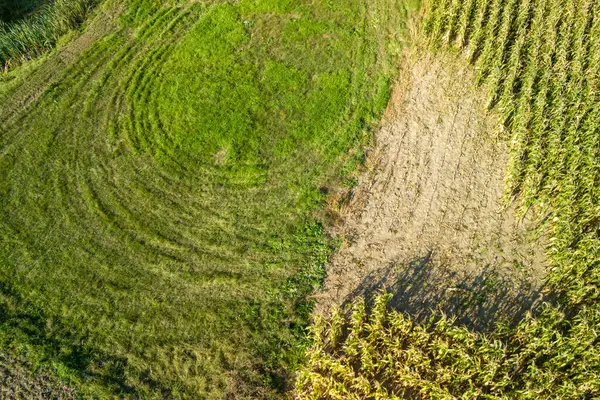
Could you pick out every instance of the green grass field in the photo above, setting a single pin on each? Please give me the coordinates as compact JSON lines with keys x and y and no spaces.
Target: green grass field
{"x":28,"y":28}
{"x":159,"y":223}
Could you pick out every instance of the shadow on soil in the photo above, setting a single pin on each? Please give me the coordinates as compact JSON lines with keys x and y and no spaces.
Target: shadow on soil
{"x":483,"y":303}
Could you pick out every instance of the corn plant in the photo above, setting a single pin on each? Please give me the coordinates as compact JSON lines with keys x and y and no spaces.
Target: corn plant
{"x":386,"y":356}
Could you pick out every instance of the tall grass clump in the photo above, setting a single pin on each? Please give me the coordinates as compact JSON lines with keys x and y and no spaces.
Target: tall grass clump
{"x":39,"y":31}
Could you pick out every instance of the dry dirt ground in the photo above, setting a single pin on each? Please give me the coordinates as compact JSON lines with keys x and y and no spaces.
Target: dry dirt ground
{"x":18,"y":382}
{"x":429,"y":221}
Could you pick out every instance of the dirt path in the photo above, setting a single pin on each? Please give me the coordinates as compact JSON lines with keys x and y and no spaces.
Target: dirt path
{"x":428,"y":221}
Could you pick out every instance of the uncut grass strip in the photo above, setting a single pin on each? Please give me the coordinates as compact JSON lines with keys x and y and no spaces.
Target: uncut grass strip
{"x":38,"y":32}
{"x":82,"y":68}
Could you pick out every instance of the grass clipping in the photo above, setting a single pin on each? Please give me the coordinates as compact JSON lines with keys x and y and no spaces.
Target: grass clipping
{"x":180,"y":156}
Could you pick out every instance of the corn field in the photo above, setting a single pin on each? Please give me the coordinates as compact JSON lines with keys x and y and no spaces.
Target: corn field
{"x":38,"y":32}
{"x":540,"y":62}
{"x":380,"y":354}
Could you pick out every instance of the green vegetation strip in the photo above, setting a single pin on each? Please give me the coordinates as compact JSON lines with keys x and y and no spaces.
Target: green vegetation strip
{"x":159,"y":231}
{"x":540,"y":61}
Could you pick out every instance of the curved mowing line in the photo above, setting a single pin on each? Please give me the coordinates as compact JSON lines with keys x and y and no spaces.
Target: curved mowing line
{"x":151,"y":252}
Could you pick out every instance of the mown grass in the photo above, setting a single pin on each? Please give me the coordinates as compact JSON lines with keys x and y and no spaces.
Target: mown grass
{"x":159,"y":203}
{"x":28,"y":28}
{"x":539,"y":60}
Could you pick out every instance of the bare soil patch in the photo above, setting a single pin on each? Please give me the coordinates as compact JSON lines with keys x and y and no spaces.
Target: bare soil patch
{"x":18,"y":382}
{"x":428,"y":221}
